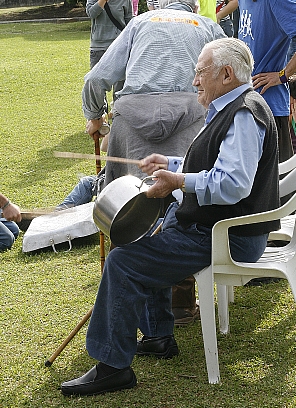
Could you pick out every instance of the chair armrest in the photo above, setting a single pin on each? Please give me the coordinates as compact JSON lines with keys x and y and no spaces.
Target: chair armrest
{"x":288,"y":184}
{"x":220,"y":241}
{"x":287,"y":165}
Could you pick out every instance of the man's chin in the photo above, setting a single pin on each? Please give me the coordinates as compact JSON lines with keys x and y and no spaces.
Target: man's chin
{"x":200,"y":98}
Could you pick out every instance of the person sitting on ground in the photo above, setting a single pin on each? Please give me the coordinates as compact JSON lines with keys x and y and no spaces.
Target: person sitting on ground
{"x":9,"y":215}
{"x":87,"y":188}
{"x":230,"y":169}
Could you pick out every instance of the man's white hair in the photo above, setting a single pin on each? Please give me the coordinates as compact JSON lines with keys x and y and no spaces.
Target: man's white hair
{"x":233,"y":52}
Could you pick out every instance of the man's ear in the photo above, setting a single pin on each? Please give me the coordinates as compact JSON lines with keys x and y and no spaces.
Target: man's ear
{"x":228,"y":74}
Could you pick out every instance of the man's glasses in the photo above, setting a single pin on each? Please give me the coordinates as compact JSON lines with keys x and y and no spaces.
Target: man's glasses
{"x":199,"y":71}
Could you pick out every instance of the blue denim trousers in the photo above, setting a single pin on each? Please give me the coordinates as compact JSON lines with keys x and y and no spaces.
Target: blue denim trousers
{"x":227,"y":26}
{"x":135,"y":290}
{"x":82,"y":193}
{"x":9,"y":231}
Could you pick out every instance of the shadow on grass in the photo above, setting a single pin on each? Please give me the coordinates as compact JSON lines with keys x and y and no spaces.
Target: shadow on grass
{"x":48,"y":31}
{"x":260,"y":351}
{"x":34,"y":170}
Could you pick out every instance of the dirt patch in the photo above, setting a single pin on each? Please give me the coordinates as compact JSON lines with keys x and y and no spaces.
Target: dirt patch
{"x":43,"y":12}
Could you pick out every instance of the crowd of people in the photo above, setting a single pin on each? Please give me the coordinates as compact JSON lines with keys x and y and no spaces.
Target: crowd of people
{"x":210,"y":116}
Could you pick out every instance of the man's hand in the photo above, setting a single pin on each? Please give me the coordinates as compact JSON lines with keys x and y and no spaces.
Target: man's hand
{"x":153,"y":162}
{"x":166,"y":182}
{"x":266,"y":80}
{"x":12,"y":213}
{"x":93,"y":126}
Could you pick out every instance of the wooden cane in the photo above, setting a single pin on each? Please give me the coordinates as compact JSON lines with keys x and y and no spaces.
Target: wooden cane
{"x":85,"y":318}
{"x":98,"y":168}
{"x":58,"y":351}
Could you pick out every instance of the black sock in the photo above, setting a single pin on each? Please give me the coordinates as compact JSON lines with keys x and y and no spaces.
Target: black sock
{"x":104,"y":370}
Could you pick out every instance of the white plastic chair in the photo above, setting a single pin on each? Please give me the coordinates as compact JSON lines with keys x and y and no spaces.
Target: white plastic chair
{"x":286,"y":186}
{"x":205,"y":283}
{"x":276,"y":262}
{"x":287,"y":165}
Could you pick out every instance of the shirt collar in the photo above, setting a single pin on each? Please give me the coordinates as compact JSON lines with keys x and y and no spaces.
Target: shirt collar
{"x":218,"y":104}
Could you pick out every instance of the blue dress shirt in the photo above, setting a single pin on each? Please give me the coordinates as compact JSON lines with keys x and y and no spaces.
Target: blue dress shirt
{"x":232,"y":176}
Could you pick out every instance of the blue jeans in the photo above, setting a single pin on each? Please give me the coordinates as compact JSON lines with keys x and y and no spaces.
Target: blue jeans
{"x":9,"y":231}
{"x":137,"y":280}
{"x":82,"y":193}
{"x":227,"y":26}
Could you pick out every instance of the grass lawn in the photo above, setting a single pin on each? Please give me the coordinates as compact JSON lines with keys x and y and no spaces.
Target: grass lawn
{"x":43,"y":296}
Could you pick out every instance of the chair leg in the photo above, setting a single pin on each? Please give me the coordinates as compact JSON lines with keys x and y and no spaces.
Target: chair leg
{"x":223,"y":312}
{"x":205,"y":284}
{"x":230,"y":294}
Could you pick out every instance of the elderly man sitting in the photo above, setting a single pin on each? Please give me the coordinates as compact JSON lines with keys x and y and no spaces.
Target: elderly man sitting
{"x":230,"y":169}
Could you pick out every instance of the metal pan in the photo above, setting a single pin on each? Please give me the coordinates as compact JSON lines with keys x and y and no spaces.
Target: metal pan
{"x":123,"y":212}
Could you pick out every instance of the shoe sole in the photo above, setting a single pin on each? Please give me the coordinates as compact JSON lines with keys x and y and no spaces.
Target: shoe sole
{"x":169,"y":353}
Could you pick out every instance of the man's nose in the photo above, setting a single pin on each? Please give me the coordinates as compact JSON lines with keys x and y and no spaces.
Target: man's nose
{"x":196,"y":81}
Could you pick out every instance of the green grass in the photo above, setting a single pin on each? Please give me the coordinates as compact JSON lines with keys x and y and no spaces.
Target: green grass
{"x":43,"y":296}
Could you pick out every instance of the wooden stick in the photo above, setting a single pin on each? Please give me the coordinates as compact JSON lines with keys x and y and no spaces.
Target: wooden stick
{"x":98,"y":168}
{"x":70,"y":155}
{"x":85,"y":318}
{"x":157,"y":230}
{"x":29,"y":214}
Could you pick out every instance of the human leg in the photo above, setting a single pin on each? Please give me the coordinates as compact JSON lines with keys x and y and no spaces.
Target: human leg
{"x":284,"y":138}
{"x":82,"y":193}
{"x":133,"y":273}
{"x":119,"y":328}
{"x":94,"y":57}
{"x":184,"y":304}
{"x":159,"y":301}
{"x":9,"y":231}
{"x":235,"y":21}
{"x":136,"y":271}
{"x":151,"y":343}
{"x":285,"y":144}
{"x":227,"y":26}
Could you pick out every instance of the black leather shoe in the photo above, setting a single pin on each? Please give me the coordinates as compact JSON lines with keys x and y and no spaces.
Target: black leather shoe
{"x":88,"y":384}
{"x":160,"y":347}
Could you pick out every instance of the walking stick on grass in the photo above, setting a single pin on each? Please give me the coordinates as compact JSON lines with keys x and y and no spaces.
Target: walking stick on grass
{"x":85,"y":318}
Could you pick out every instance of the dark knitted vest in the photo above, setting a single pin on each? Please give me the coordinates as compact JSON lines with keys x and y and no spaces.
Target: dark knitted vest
{"x":202,"y":155}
